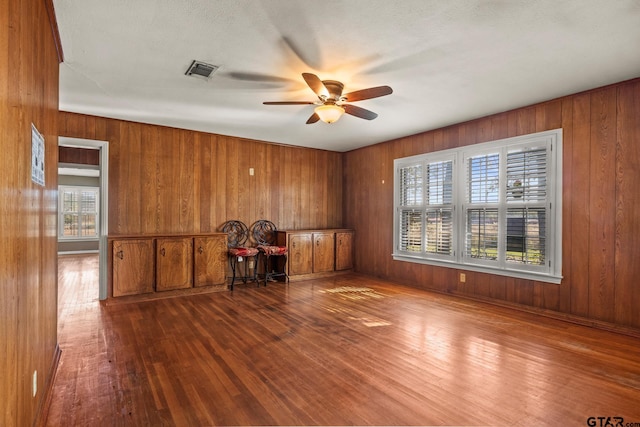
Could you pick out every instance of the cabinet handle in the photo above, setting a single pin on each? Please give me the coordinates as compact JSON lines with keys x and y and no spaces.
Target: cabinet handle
{"x":162,"y":251}
{"x":200,"y":250}
{"x":120,"y":254}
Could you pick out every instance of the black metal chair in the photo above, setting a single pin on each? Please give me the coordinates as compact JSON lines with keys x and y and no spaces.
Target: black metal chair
{"x":264,"y":232}
{"x":237,"y":235}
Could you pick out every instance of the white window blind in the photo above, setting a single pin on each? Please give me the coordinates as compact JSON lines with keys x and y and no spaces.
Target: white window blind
{"x":411,"y":178}
{"x":482,"y":197}
{"x":527,"y":176}
{"x":439,"y":209}
{"x":483,"y":178}
{"x":411,"y":231}
{"x":411,"y":224}
{"x":526,"y":213}
{"x":482,"y":233}
{"x":526,"y":236}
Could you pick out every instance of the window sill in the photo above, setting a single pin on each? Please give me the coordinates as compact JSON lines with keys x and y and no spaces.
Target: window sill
{"x":529,"y":275}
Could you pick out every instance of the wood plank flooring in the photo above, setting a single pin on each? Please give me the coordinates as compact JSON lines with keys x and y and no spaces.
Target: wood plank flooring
{"x":339,"y":351}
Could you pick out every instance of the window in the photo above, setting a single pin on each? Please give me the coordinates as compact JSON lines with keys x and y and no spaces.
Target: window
{"x":493,"y":207}
{"x":426,"y":208}
{"x":78,"y":212}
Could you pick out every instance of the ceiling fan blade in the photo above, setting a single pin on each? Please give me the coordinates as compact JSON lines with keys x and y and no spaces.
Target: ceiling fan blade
{"x":359,"y":112}
{"x":314,"y":118}
{"x":315,"y":84}
{"x":258,"y":77}
{"x":288,"y":103}
{"x":372,"y":92}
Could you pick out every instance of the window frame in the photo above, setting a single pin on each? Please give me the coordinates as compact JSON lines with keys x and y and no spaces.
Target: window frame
{"x":62,"y":212}
{"x":424,"y":207}
{"x":550,"y":204}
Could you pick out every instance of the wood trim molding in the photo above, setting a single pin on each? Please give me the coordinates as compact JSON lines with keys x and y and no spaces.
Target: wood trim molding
{"x":45,"y":402}
{"x":566,"y":317}
{"x":54,"y":29}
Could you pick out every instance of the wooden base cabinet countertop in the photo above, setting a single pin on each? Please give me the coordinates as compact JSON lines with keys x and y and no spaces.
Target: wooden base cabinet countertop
{"x":166,"y":264}
{"x":317,"y":252}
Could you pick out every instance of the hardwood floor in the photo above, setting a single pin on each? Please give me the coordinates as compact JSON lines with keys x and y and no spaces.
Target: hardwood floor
{"x":345,"y":350}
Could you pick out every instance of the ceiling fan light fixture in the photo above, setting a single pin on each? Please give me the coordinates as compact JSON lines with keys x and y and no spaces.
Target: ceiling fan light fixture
{"x":329,"y":113}
{"x":331,"y":104}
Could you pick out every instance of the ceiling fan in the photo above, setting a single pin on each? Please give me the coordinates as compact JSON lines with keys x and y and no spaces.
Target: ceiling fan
{"x":332,"y":103}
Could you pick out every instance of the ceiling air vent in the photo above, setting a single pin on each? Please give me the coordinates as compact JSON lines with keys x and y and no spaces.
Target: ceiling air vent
{"x":201,"y":70}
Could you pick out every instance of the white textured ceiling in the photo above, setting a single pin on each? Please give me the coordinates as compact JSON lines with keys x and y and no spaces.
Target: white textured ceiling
{"x":447,"y":61}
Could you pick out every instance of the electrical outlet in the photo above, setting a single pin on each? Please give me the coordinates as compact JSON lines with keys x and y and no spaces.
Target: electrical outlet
{"x":34,"y":386}
{"x":463,"y":278}
{"x":251,"y":171}
{"x":250,"y":263}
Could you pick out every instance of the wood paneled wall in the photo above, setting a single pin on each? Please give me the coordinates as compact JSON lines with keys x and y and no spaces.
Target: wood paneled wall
{"x":166,"y":180}
{"x":601,"y":206}
{"x":82,"y":156}
{"x":28,"y":244}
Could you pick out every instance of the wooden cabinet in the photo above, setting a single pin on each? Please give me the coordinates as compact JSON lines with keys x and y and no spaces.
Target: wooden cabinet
{"x":323,"y":252}
{"x":300,"y":259}
{"x":344,"y":250}
{"x":174,"y":263}
{"x":167,"y":264}
{"x":210,"y":256}
{"x":315,"y":252}
{"x":132,"y":269}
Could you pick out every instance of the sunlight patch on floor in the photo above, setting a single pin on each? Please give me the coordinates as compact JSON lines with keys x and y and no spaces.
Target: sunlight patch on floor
{"x":353,"y":292}
{"x":371,"y":323}
{"x":367,"y":321}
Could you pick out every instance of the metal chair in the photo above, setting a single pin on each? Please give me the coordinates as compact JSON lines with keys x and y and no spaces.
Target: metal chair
{"x":237,"y":235}
{"x":264,"y":232}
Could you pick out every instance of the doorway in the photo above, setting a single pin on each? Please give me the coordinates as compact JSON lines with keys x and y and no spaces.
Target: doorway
{"x":103,"y":226}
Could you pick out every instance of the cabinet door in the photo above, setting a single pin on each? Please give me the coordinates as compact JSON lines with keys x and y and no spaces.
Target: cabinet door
{"x":344,"y":250}
{"x":210,"y":267}
{"x":132,"y":267}
{"x":323,"y":252}
{"x":300,"y":254}
{"x":174,"y":263}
